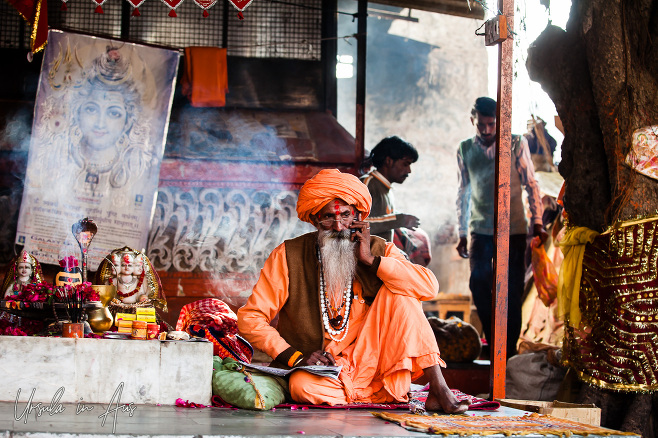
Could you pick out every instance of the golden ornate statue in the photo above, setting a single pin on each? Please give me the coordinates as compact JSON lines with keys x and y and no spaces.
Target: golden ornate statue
{"x":137,"y":283}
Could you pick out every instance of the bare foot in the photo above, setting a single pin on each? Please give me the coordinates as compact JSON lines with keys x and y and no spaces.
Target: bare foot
{"x":446,"y":402}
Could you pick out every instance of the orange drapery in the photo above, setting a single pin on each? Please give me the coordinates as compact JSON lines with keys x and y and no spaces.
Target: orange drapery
{"x":205,"y":78}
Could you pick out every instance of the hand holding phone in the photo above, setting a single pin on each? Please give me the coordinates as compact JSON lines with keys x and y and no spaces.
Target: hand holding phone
{"x":356,"y":219}
{"x":362,"y":248}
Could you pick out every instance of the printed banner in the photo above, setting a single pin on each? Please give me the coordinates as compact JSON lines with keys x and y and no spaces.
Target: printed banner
{"x":100,"y":123}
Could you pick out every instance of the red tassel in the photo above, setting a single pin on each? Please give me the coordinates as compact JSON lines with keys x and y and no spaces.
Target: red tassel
{"x":64,"y":7}
{"x":172,"y":13}
{"x":205,"y":13}
{"x":99,"y":10}
{"x":135,"y":13}
{"x":240,"y":16}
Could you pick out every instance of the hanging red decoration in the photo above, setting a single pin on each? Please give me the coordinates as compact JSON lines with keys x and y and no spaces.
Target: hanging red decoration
{"x":34,"y":12}
{"x":99,"y":3}
{"x":240,"y":5}
{"x":205,"y":5}
{"x":135,"y":4}
{"x":173,"y":4}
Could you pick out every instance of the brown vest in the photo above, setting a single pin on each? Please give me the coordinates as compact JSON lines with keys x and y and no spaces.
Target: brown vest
{"x":300,"y":322}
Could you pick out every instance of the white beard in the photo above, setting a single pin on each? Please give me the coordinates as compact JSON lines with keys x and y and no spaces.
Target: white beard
{"x":338,"y":260}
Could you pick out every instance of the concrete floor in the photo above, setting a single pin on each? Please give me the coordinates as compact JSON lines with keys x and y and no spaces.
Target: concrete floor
{"x":160,"y":421}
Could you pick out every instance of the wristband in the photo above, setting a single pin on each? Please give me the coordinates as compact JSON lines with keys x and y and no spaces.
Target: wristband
{"x":295,"y":359}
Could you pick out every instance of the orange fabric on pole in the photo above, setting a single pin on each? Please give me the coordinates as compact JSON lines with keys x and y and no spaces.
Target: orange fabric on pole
{"x":205,"y":78}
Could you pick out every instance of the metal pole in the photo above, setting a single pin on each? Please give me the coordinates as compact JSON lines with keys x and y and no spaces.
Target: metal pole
{"x":362,"y":27}
{"x":225,"y":25}
{"x":329,"y":52}
{"x":502,"y":207}
{"x":126,"y":10}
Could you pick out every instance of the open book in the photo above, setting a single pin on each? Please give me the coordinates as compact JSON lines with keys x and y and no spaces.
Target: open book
{"x":318,"y":370}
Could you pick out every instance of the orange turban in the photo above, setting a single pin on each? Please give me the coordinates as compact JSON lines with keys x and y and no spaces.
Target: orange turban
{"x":328,"y":185}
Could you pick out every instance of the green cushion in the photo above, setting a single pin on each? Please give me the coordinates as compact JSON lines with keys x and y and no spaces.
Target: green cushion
{"x":234,"y":387}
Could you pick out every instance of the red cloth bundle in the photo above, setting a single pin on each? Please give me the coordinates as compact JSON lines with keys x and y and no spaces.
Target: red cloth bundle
{"x":213,"y":319}
{"x":415,"y":243}
{"x":209,"y":312}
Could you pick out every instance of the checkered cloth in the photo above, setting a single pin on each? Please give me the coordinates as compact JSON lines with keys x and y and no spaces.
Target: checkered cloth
{"x":213,"y":319}
{"x":209,"y":312}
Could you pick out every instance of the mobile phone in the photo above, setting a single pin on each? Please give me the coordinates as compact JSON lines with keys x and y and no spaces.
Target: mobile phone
{"x":356,"y":218}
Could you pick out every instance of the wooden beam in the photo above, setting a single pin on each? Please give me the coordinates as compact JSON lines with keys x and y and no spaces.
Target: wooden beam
{"x":502,"y":207}
{"x":458,"y":8}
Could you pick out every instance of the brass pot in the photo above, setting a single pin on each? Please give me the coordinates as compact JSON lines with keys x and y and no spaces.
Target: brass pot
{"x":106,"y":292}
{"x":100,"y":319}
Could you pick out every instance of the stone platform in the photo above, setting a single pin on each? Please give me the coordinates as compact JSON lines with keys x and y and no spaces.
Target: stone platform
{"x":104,"y":370}
{"x":100,"y":421}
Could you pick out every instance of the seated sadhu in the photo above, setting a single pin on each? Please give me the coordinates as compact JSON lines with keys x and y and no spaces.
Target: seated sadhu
{"x":346,"y":298}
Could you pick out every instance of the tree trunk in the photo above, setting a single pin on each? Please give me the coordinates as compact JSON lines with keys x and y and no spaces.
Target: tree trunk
{"x":602,"y":75}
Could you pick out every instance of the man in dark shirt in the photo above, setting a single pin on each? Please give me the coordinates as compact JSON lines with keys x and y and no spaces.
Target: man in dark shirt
{"x":392,"y":158}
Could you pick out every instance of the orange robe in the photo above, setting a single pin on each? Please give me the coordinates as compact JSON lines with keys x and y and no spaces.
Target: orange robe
{"x":389,"y":343}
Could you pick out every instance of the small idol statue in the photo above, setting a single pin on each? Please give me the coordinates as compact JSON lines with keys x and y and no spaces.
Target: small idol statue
{"x":23,"y":270}
{"x":130,"y":278}
{"x":137,"y":283}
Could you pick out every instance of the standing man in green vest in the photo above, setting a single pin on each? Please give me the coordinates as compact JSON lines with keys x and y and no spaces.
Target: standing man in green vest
{"x":475,"y":213}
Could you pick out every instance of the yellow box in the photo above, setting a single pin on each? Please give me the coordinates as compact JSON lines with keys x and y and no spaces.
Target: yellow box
{"x":125,"y":326}
{"x":145,"y":311}
{"x":146,"y":318}
{"x":125,"y":317}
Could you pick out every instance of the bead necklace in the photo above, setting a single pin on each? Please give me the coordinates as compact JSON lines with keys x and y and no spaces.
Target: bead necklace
{"x":338,"y":324}
{"x":129,"y":294}
{"x":97,"y":167}
{"x":127,"y":283}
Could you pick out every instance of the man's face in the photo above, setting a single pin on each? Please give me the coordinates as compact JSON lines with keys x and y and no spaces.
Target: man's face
{"x":397,"y":170}
{"x":337,"y":215}
{"x":336,"y":245}
{"x":485,"y":127}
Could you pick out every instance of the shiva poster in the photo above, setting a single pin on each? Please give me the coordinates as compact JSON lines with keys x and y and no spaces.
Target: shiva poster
{"x":100,"y":124}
